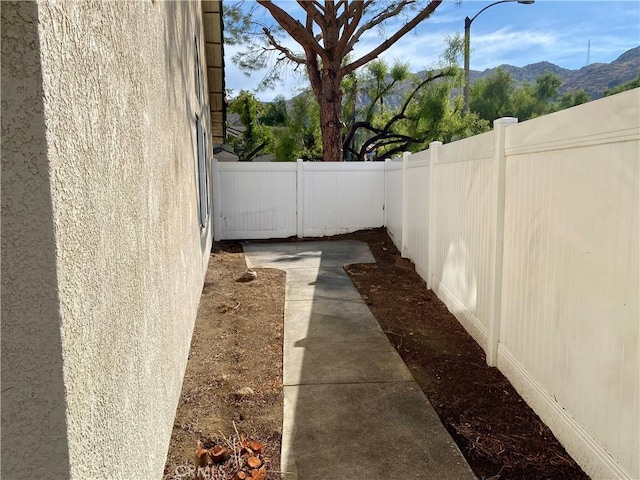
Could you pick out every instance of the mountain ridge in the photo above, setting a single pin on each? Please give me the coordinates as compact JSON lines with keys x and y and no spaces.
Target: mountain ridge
{"x":594,"y":78}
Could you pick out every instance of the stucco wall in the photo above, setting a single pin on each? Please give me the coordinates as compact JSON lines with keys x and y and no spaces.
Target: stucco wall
{"x":33,"y":412}
{"x":118,"y":82}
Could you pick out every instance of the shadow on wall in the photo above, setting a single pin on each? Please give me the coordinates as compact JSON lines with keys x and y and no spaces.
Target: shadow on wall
{"x":180,"y":82}
{"x":33,"y":395}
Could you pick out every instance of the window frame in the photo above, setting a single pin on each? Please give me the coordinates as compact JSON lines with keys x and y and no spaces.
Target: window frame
{"x":201,"y":145}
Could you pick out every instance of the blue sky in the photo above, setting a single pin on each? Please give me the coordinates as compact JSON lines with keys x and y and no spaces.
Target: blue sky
{"x":552,"y":30}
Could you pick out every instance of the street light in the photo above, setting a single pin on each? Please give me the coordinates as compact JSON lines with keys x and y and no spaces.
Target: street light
{"x":467,"y":41}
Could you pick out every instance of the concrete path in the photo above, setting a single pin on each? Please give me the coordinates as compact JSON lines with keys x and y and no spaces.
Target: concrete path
{"x":351,"y":406}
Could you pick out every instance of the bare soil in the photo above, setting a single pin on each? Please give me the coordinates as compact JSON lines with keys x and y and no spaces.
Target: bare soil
{"x":236,"y":345}
{"x":238,"y":342}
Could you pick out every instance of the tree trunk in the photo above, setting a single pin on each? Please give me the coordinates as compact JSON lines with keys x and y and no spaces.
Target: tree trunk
{"x":331,"y":125}
{"x":331,"y":115}
{"x":326,"y":83}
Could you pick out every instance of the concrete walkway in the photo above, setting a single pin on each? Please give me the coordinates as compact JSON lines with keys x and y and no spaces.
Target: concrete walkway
{"x":351,"y":406}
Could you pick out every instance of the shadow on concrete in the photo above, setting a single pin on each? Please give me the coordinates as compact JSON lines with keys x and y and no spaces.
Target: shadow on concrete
{"x":352,"y":408}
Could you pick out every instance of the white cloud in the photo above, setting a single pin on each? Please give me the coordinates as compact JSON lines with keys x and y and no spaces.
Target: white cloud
{"x":555,"y":31}
{"x":510,"y":46}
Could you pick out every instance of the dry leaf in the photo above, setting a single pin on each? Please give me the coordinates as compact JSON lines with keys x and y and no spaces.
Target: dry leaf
{"x":219,"y":454}
{"x":256,"y":446}
{"x":259,"y":474}
{"x":202,"y":455}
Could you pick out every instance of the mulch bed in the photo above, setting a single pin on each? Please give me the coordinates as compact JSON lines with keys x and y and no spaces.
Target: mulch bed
{"x":500,"y":436}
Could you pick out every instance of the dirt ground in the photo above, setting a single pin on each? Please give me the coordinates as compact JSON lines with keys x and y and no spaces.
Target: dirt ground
{"x":236,"y":346}
{"x":238,"y":343}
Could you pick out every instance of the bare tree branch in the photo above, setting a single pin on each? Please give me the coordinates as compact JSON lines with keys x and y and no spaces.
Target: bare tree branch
{"x":402,"y":113}
{"x":354,"y":12}
{"x":385,"y":139}
{"x":285,"y":51}
{"x":384,"y":136}
{"x":433,"y":4}
{"x":375,"y":100}
{"x":346,"y":13}
{"x":248,"y":157}
{"x":332,"y":28}
{"x":391,"y":11}
{"x":293,"y":27}
{"x":319,"y":6}
{"x":313,"y":15}
{"x":309,"y":25}
{"x":354,"y":128}
{"x":313,"y":70}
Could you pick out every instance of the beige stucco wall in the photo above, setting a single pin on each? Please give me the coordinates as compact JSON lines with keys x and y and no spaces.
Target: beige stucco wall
{"x":33,"y":412}
{"x":123,"y":252}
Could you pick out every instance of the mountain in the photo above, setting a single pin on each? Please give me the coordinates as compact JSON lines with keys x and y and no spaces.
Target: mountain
{"x":594,"y":78}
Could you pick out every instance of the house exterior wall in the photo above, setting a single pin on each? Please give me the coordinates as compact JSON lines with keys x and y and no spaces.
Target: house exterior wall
{"x":33,"y":412}
{"x":121,"y":245}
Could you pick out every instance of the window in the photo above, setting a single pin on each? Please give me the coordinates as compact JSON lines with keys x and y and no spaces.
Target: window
{"x":203,"y":206}
{"x":201,"y":141}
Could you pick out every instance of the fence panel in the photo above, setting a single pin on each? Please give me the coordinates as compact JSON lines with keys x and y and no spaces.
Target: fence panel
{"x":464,"y":231}
{"x":256,"y":200}
{"x":342,"y":197}
{"x":570,"y":311}
{"x":555,"y":285}
{"x":393,"y":200}
{"x":417,"y":215}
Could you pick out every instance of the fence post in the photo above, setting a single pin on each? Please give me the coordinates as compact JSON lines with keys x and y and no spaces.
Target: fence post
{"x":434,"y":152}
{"x":300,"y":198}
{"x":387,"y":163}
{"x":217,"y":199}
{"x":405,"y":202}
{"x":499,"y":176}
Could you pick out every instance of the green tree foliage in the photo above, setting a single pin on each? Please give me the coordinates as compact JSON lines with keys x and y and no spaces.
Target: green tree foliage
{"x":438,"y":115}
{"x":326,"y":38}
{"x":428,"y":112}
{"x":253,"y":140}
{"x":287,"y":132}
{"x":275,"y":113}
{"x":384,"y":121}
{"x":635,"y":83}
{"x":490,"y":97}
{"x":374,"y":87}
{"x":299,"y":136}
{"x":498,"y":96}
{"x":390,"y":122}
{"x":571,"y":99}
{"x":380,"y":82}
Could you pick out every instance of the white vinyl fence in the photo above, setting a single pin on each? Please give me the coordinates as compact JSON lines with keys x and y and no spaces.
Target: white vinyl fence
{"x":393,"y":199}
{"x":254,"y":200}
{"x":533,"y":245}
{"x":278,"y":200}
{"x":415,"y":210}
{"x":530,"y":234}
{"x":570,"y":317}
